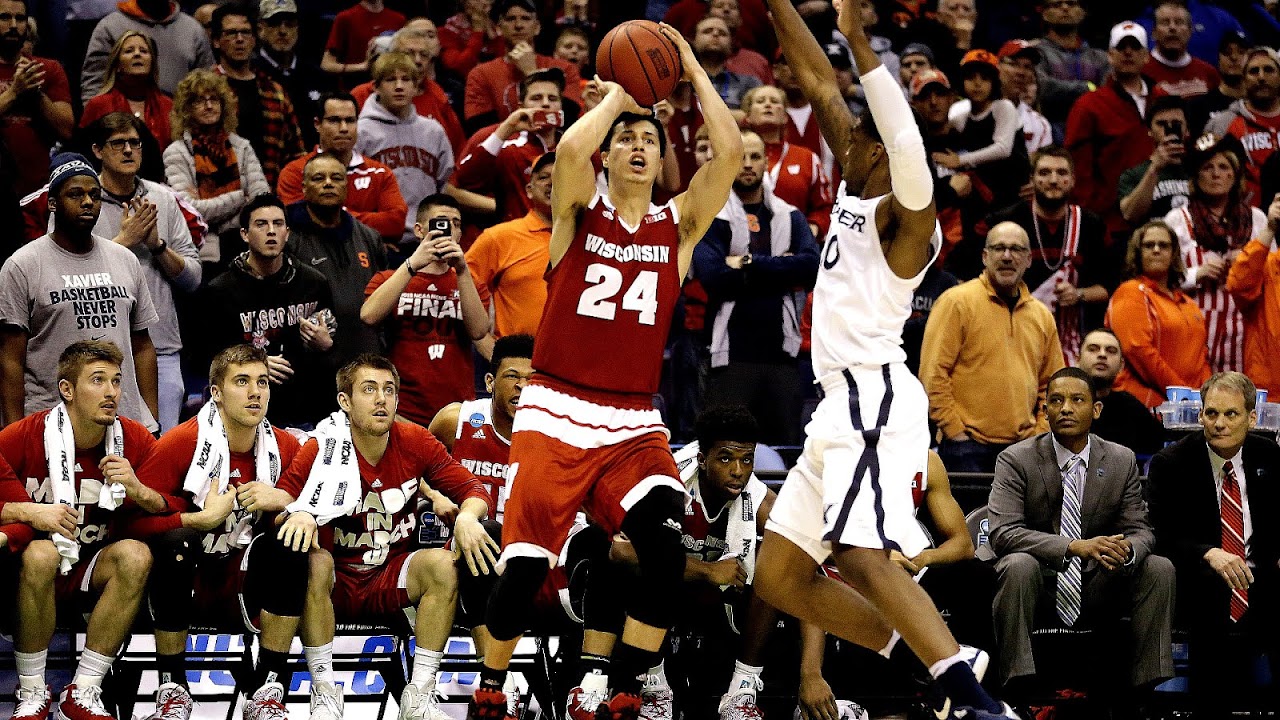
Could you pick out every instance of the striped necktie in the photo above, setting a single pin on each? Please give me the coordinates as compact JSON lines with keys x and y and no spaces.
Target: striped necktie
{"x":1069,"y":581}
{"x":1233,"y":533}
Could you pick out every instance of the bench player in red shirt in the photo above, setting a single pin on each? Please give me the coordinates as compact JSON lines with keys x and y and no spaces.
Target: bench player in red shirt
{"x":376,"y":573}
{"x":587,"y":435}
{"x":82,"y":566}
{"x":219,"y":471}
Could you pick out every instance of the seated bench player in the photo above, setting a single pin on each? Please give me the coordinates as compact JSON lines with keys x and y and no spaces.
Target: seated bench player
{"x":360,"y":476}
{"x":77,"y":463}
{"x":217,"y":556}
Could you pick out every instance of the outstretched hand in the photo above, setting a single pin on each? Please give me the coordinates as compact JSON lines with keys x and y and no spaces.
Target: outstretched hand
{"x":689,"y":65}
{"x":629,"y":104}
{"x":849,"y":19}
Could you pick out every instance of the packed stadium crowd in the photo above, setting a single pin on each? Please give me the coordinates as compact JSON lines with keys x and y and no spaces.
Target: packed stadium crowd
{"x":283,"y":274}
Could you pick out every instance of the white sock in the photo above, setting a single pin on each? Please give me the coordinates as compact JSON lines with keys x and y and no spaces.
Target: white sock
{"x":92,"y":669}
{"x":893,"y":642}
{"x":320,"y":663}
{"x":426,"y":664}
{"x":745,"y":678}
{"x":936,"y":669}
{"x":30,"y":668}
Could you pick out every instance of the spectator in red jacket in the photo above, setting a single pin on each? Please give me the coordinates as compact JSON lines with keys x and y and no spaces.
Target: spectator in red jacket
{"x":347,"y":51}
{"x":795,"y":173}
{"x":130,"y":85}
{"x":420,"y":41}
{"x":1105,"y":131}
{"x":470,"y":37}
{"x":493,"y":87}
{"x":373,"y":195}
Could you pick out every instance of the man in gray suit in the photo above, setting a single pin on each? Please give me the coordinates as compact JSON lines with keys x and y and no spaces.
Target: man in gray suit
{"x":1070,"y":530}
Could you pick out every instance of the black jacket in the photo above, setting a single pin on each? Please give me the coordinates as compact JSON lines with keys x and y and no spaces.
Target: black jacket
{"x":240,"y":307}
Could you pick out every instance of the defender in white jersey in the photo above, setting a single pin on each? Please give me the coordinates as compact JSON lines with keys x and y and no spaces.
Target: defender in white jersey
{"x":849,"y":496}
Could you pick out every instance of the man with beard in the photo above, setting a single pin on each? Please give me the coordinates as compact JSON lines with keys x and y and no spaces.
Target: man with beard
{"x":279,"y":59}
{"x":756,"y":262}
{"x":1255,"y":118}
{"x":1068,"y":255}
{"x":72,"y":285}
{"x":35,"y":103}
{"x":713,"y":44}
{"x":1125,"y":419}
{"x":265,"y":112}
{"x":1232,"y":53}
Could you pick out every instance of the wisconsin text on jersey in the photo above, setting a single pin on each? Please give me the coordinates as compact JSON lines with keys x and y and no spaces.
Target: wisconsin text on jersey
{"x":627,"y":253}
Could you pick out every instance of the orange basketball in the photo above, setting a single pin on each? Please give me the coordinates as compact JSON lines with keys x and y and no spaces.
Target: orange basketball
{"x":637,"y":56}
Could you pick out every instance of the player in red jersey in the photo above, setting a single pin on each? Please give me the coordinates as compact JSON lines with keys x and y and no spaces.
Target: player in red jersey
{"x":94,"y":451}
{"x":587,"y":433}
{"x":378,"y":573}
{"x":219,"y":470}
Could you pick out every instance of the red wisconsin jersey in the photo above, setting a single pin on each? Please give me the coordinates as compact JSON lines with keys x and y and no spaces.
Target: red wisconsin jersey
{"x":166,"y":470}
{"x":610,"y":301}
{"x":22,"y":445}
{"x":429,"y":344}
{"x":481,"y":450}
{"x":381,"y":526}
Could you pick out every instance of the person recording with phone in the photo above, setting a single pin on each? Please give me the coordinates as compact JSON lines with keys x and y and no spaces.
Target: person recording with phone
{"x":1149,"y":190}
{"x":430,"y":314}
{"x":493,"y":172}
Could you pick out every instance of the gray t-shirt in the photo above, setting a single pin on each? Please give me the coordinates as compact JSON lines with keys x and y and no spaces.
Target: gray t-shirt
{"x":59,"y":297}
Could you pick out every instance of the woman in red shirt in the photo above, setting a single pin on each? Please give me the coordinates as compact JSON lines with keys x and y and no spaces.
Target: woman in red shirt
{"x":130,"y":86}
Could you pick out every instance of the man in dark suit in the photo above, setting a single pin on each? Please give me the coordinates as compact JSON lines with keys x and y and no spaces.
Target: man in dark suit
{"x":1214,"y":501}
{"x":1070,"y":530}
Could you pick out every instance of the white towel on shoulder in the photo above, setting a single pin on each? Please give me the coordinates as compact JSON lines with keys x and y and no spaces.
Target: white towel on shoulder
{"x":740,"y":532}
{"x":333,"y":486}
{"x":60,"y":456}
{"x":210,"y":469}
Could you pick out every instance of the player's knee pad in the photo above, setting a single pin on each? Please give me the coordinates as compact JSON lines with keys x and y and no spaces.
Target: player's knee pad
{"x":276,"y":577}
{"x":174,"y":557}
{"x":510,"y":608}
{"x":653,"y":527}
{"x":608,"y":585}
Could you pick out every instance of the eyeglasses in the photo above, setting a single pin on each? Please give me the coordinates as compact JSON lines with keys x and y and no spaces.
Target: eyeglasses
{"x":207,"y":100}
{"x":118,"y":144}
{"x":241,"y":32}
{"x":1155,"y":245}
{"x":1012,"y":249}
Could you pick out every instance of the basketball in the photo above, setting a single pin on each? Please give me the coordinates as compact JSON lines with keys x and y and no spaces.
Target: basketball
{"x":637,"y":56}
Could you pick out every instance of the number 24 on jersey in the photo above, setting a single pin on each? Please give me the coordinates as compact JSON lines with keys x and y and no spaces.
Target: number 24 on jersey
{"x":598,"y":301}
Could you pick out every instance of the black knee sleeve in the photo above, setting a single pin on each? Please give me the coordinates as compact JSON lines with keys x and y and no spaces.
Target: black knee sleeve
{"x":276,"y":577}
{"x":608,"y":586}
{"x":510,"y":609}
{"x":173,"y":573}
{"x":474,"y":590}
{"x":653,"y":526}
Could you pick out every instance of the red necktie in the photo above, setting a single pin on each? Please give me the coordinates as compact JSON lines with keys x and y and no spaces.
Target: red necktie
{"x":1233,"y":533}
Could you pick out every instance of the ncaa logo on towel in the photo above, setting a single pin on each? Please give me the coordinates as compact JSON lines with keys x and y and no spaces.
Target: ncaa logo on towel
{"x":476,"y":420}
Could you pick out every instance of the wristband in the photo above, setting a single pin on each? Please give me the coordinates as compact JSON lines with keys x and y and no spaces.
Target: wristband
{"x":409,"y":269}
{"x":158,"y":250}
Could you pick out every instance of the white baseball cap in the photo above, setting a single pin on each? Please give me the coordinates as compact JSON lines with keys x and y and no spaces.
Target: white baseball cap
{"x":1128,"y":29}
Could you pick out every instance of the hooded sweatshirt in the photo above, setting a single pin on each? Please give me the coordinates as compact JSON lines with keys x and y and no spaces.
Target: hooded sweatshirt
{"x":415,"y":148}
{"x":181,"y":41}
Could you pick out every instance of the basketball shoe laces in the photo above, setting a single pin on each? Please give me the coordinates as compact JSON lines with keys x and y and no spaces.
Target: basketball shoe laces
{"x":89,"y":697}
{"x":31,"y":701}
{"x":174,"y":706}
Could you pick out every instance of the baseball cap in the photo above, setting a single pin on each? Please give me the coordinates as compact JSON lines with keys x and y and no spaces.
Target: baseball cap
{"x":1233,"y":37}
{"x":543,"y":160}
{"x":919,"y":49}
{"x":925,"y":78}
{"x":1013,"y":48}
{"x":838,"y":56}
{"x":1263,"y":50}
{"x":979,"y":55}
{"x":1127,"y":29}
{"x":270,"y":8}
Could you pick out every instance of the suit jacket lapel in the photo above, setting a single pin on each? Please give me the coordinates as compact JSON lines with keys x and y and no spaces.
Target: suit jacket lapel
{"x":1051,"y":477}
{"x":1094,"y":480}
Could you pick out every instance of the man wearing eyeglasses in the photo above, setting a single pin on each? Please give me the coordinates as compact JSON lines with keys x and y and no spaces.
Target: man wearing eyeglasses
{"x":989,"y":350}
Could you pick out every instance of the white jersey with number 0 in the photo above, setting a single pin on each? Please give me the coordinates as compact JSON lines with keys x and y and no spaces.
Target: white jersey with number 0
{"x":859,"y":304}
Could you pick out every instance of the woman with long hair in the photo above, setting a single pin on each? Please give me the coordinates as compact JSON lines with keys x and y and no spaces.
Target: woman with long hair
{"x":1212,"y":228}
{"x":1161,"y":330}
{"x":208,"y":164}
{"x":130,"y":85}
